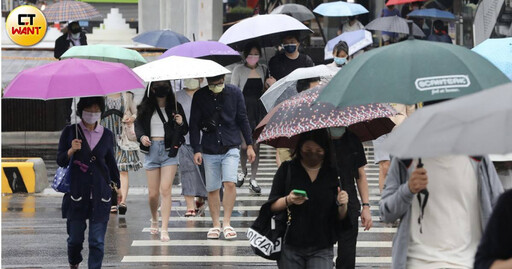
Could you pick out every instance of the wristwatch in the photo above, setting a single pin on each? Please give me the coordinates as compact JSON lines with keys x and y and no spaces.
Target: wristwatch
{"x":366,"y":204}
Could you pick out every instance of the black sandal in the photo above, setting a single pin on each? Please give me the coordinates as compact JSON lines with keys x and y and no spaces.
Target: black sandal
{"x":122,"y":208}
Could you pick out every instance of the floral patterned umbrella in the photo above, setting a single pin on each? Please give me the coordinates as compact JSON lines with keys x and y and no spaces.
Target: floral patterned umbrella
{"x":283,"y":124}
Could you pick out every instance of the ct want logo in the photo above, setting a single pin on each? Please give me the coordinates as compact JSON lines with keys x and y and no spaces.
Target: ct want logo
{"x":442,"y":84}
{"x":26,"y":25}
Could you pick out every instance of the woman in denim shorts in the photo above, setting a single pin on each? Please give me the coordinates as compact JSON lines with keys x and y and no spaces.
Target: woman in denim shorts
{"x":160,"y":168}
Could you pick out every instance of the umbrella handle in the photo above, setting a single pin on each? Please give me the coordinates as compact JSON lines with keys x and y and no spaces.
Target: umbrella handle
{"x":420,"y":163}
{"x":76,"y":122}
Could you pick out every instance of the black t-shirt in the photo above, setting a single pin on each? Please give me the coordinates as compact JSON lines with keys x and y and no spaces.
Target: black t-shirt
{"x":350,"y":156}
{"x":315,"y":222}
{"x":280,"y":66}
{"x":495,"y":243}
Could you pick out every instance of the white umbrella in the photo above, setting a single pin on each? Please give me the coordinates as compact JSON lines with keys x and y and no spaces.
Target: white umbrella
{"x":177,"y":67}
{"x":285,"y":87}
{"x":356,"y":40}
{"x":476,"y":124}
{"x":267,"y":30}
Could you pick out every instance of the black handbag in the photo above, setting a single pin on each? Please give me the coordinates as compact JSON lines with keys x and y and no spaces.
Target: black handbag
{"x":268,"y":233}
{"x":173,"y":139}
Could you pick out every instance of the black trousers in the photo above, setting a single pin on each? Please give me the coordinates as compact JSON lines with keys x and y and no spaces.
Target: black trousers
{"x":347,"y":242}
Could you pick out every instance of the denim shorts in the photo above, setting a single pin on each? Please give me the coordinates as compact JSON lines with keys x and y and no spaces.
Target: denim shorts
{"x":221,"y":168}
{"x":158,"y":156}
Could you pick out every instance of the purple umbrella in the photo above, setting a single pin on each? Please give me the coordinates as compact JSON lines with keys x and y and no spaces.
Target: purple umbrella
{"x":209,"y":50}
{"x":73,"y":78}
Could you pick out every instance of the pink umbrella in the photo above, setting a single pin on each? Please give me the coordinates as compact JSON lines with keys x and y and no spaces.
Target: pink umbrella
{"x":73,"y":78}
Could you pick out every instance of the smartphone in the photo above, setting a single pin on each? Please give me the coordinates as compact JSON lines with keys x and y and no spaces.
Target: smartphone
{"x":300,"y":193}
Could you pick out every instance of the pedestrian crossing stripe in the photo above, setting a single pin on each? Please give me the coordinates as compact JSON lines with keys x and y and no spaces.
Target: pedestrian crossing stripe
{"x":209,"y":219}
{"x":232,"y":259}
{"x":235,"y":243}
{"x":243,"y":230}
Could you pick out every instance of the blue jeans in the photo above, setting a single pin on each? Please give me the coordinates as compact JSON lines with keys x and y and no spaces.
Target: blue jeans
{"x":220,"y":168}
{"x":76,"y":230}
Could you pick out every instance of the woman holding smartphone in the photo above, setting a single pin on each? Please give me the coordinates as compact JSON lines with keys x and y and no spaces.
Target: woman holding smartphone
{"x":315,"y":200}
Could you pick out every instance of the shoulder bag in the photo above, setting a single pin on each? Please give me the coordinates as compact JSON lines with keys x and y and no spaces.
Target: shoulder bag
{"x":173,"y":139}
{"x":268,"y":232}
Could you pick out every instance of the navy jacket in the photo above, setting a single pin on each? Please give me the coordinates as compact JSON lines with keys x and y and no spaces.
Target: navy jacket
{"x":233,"y":119}
{"x":77,"y":204}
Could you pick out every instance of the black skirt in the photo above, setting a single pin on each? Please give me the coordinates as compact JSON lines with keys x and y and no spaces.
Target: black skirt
{"x":252,"y":91}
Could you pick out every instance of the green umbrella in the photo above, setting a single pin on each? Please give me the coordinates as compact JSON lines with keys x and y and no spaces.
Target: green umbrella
{"x":107,"y":53}
{"x":410,"y":72}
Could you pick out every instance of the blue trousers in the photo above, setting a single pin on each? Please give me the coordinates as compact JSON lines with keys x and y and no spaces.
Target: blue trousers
{"x":76,"y":233}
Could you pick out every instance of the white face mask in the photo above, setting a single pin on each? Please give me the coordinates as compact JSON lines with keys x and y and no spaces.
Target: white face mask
{"x":91,"y":117}
{"x":191,"y":83}
{"x":75,"y":36}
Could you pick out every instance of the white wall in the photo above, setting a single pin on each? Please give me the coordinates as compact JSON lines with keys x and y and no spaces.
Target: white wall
{"x":200,"y":17}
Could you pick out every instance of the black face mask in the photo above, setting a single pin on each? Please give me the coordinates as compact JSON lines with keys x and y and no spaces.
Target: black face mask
{"x":312,"y":159}
{"x":161,"y":91}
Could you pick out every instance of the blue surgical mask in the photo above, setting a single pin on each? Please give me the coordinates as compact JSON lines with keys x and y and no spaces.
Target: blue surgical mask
{"x":290,"y":48}
{"x":340,"y":61}
{"x":337,"y":132}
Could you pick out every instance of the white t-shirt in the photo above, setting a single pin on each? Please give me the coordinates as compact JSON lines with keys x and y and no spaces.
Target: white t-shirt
{"x":354,"y":27}
{"x":451,"y":221}
{"x":157,"y":127}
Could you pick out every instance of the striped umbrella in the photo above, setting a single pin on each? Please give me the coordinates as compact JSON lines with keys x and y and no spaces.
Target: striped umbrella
{"x":70,"y":11}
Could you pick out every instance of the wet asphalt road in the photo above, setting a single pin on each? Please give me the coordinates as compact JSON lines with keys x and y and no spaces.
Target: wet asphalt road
{"x":34,"y":234}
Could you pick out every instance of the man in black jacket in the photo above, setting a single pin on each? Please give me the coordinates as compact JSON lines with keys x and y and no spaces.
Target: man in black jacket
{"x":218,"y":110}
{"x":73,"y":36}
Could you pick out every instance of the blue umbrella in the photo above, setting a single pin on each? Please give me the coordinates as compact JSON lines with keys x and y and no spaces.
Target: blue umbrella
{"x":499,"y":52}
{"x":432,"y":13}
{"x":161,"y":39}
{"x":340,"y":9}
{"x":356,"y":40}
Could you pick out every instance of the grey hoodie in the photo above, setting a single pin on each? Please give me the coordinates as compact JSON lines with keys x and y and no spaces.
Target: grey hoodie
{"x":397,"y":199}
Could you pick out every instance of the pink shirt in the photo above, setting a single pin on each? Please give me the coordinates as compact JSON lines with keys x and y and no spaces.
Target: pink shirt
{"x":94,"y":136}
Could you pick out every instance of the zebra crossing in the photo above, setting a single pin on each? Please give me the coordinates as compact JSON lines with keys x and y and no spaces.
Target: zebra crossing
{"x":188,"y":235}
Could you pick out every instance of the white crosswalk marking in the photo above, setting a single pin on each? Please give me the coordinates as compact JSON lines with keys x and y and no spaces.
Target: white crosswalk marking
{"x":373,"y":247}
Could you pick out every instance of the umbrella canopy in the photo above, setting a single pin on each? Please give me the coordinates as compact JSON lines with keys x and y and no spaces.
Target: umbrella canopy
{"x":161,"y":39}
{"x":340,"y":9}
{"x":70,"y":11}
{"x":401,"y":2}
{"x":107,"y":53}
{"x":73,"y":78}
{"x":209,"y":50}
{"x":299,"y":115}
{"x":286,"y":87}
{"x":356,"y":40}
{"x":477,"y":124}
{"x":177,"y":67}
{"x":499,"y":52}
{"x":394,"y":24}
{"x":297,"y":11}
{"x":267,"y":30}
{"x":433,"y":14}
{"x":409,"y":72}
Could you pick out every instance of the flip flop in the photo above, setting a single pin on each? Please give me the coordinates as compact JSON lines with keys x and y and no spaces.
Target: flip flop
{"x":213,"y":233}
{"x":229,"y":232}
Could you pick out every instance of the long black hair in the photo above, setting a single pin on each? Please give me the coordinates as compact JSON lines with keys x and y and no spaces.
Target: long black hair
{"x":147,"y":106}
